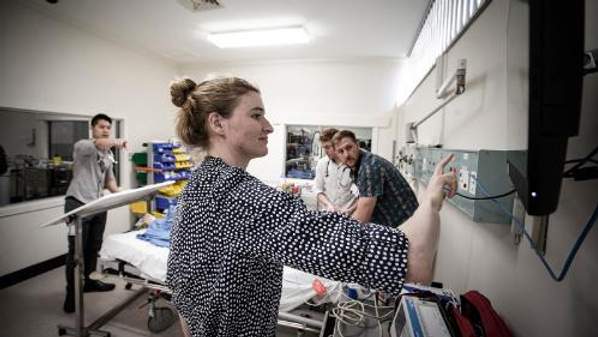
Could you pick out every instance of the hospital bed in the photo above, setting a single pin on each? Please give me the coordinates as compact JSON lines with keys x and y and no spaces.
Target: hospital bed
{"x":142,"y":263}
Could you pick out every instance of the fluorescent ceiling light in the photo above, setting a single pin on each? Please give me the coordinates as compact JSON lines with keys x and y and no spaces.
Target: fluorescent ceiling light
{"x":261,"y":37}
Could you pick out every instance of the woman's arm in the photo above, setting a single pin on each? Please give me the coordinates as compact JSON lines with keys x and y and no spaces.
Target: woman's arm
{"x":327,"y":244}
{"x":423,"y":228}
{"x":337,"y":247}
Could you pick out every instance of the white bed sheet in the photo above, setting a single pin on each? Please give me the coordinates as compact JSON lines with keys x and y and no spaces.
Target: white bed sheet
{"x":151,"y":261}
{"x":148,"y":258}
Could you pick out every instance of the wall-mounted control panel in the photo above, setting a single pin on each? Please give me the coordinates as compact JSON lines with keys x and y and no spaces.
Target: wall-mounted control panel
{"x":479,"y":174}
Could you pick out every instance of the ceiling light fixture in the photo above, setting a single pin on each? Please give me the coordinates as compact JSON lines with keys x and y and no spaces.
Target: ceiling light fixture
{"x":260,"y":37}
{"x":200,"y":5}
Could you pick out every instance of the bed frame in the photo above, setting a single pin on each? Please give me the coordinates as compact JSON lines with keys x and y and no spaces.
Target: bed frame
{"x":161,"y":318}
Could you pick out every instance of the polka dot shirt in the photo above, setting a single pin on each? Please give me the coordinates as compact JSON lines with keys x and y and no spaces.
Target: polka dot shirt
{"x":232,"y":236}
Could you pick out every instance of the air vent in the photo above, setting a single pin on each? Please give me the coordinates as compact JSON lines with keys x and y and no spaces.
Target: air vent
{"x":200,"y":5}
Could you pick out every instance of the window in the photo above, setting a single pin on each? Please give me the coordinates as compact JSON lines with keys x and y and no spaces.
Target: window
{"x":62,"y":135}
{"x":444,"y":22}
{"x":304,"y":151}
{"x":38,"y":149}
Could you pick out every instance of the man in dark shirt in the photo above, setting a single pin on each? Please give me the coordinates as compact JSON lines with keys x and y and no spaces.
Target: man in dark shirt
{"x":385,"y":197}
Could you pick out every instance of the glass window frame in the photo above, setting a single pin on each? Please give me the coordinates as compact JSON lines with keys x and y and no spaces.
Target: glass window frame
{"x":297,"y":163}
{"x":42,"y":130}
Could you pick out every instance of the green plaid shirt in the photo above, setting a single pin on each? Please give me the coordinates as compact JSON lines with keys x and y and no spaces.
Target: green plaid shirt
{"x":377,"y":177}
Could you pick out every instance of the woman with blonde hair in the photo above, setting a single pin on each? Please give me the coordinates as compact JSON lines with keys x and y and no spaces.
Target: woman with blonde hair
{"x":233,"y":233}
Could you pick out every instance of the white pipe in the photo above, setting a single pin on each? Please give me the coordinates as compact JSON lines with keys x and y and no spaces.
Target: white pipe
{"x":459,"y":77}
{"x":414,"y":126}
{"x":442,"y":92}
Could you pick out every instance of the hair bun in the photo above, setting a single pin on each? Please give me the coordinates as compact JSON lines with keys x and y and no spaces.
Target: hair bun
{"x":180,"y":90}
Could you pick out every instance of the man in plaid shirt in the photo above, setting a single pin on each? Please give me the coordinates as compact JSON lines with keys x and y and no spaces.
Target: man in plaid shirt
{"x":385,"y":197}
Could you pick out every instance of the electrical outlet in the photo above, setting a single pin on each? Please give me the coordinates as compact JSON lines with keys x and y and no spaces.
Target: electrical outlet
{"x":464,"y":178}
{"x":479,"y":173}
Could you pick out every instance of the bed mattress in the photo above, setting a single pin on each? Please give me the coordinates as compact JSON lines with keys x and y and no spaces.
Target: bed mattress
{"x":150,"y":260}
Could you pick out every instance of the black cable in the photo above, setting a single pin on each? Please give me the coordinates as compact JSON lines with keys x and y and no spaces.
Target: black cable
{"x":582,"y":161}
{"x":574,"y":249}
{"x":488,"y":198}
{"x":584,"y":173}
{"x":571,"y":161}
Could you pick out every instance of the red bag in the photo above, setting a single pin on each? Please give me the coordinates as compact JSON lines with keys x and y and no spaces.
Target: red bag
{"x":478,"y":318}
{"x":461,"y":323}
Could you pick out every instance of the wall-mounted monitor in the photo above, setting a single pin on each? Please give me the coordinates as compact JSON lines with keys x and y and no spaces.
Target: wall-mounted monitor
{"x":545,"y":47}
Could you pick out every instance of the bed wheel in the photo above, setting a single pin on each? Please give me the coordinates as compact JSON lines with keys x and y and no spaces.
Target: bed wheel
{"x":161,"y":320}
{"x":128,"y":286}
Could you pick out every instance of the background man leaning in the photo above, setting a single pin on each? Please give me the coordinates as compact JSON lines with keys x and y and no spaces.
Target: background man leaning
{"x":385,"y":197}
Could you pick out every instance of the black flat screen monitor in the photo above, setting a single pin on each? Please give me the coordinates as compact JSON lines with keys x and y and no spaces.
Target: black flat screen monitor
{"x":545,"y":45}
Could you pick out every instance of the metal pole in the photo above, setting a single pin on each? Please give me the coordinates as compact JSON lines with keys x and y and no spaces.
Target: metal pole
{"x":299,"y":319}
{"x":79,"y":271}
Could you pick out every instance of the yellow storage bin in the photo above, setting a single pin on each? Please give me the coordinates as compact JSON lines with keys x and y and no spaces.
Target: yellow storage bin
{"x":138,"y":207}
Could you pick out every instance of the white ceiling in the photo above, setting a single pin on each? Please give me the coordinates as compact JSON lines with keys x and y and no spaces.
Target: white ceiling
{"x":341,"y":29}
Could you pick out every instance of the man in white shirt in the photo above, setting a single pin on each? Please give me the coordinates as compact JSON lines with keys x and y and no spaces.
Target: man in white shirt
{"x":333,"y":183}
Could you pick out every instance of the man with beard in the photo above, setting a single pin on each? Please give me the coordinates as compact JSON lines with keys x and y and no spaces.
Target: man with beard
{"x":385,"y":197}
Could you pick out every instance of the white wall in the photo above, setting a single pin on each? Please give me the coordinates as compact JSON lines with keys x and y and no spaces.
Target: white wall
{"x":50,"y":66}
{"x":349,"y":93}
{"x":482,"y":256}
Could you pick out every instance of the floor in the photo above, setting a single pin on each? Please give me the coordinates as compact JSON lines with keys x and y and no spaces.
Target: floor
{"x":33,"y":308}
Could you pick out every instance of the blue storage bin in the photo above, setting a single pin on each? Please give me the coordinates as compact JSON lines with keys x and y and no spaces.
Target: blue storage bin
{"x":164,"y":202}
{"x":182,"y":175}
{"x":161,"y":147}
{"x":165,"y":166}
{"x":164,"y":176}
{"x":164,"y":158}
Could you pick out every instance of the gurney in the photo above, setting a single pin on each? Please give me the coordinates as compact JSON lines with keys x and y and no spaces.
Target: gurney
{"x":143,"y":263}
